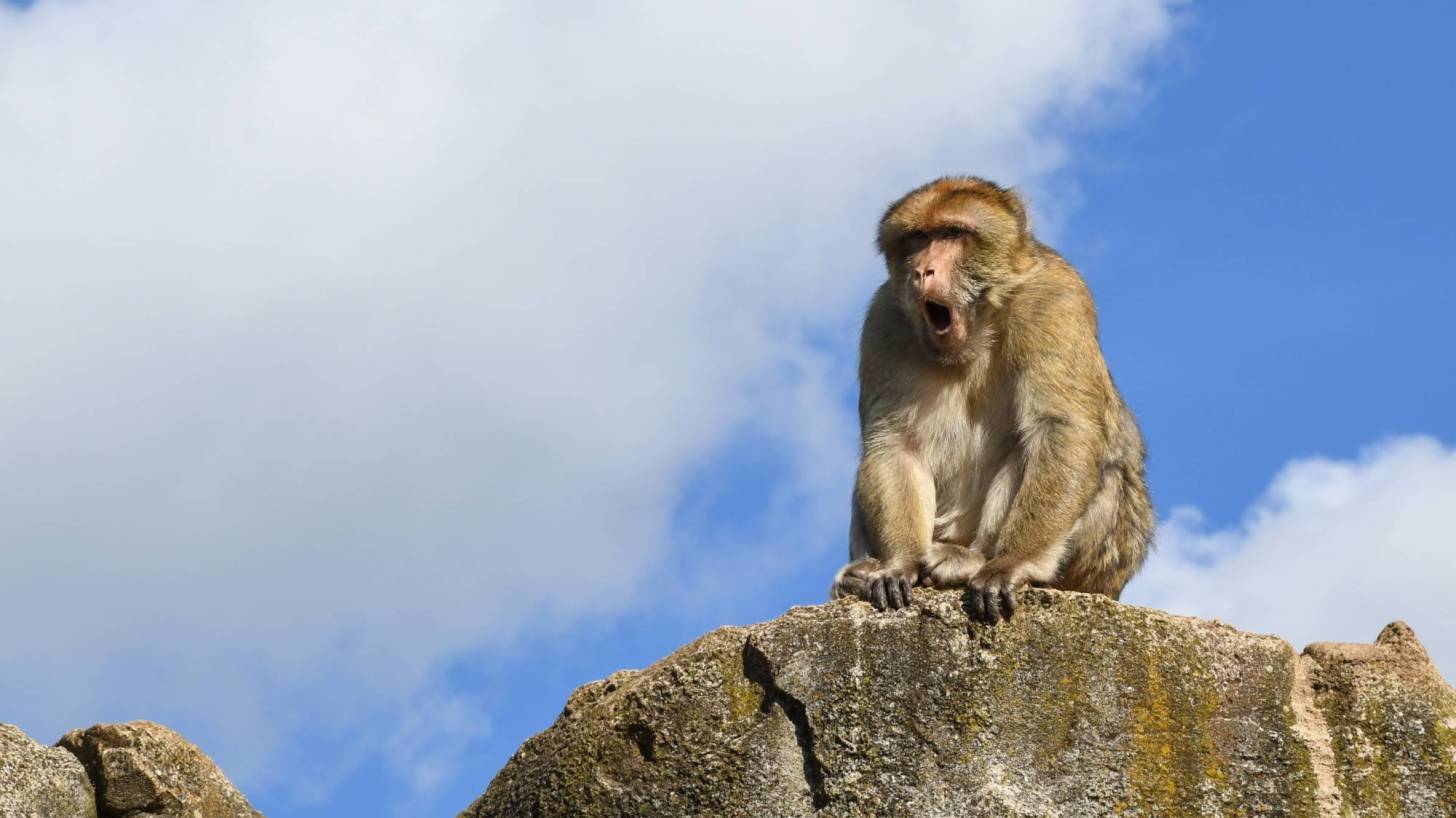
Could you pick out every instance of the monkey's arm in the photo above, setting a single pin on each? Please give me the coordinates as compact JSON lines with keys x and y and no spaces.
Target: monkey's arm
{"x":894,"y":500}
{"x":1058,"y":481}
{"x":1059,"y":406}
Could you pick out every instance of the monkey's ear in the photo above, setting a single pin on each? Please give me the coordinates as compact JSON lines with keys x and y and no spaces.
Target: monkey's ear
{"x":1017,"y":207}
{"x":886,"y":237}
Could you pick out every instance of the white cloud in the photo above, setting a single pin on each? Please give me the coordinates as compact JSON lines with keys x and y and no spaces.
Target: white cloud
{"x":339,"y":338}
{"x":1333,"y":551}
{"x":432,"y":736}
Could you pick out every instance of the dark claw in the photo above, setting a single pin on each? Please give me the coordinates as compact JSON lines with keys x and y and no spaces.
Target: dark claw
{"x":905,"y":591}
{"x":1008,"y":602}
{"x":973,"y":600}
{"x":877,"y":593}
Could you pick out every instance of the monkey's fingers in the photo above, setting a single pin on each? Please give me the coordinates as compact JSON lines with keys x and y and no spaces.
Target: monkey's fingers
{"x":891,"y":586}
{"x":1008,"y":602}
{"x":879,"y":595}
{"x":973,"y":602}
{"x":991,"y":605}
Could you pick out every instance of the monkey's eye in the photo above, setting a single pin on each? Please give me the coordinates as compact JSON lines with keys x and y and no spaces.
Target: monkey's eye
{"x":912,"y":243}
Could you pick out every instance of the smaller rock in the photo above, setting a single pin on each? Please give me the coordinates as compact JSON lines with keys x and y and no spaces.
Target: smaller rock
{"x":142,"y":768}
{"x":1392,"y":724}
{"x":1399,"y":637}
{"x":41,"y":782}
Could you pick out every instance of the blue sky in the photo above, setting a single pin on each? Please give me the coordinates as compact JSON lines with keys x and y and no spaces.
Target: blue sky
{"x":378,"y":377}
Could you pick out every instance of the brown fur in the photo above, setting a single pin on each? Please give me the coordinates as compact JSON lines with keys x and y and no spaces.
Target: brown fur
{"x":996,"y":450}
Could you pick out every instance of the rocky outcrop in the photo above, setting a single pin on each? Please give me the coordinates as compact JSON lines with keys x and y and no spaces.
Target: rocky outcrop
{"x":133,"y":770}
{"x":1391,"y":724}
{"x":1079,"y":706}
{"x":41,"y":782}
{"x":143,"y":768}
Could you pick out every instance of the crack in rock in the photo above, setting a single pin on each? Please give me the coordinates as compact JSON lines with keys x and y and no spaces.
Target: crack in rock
{"x":758,"y":669}
{"x":645,"y":740}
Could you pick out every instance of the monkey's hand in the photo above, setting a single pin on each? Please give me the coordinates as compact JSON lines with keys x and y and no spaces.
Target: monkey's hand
{"x":882,"y":584}
{"x":990,"y":592}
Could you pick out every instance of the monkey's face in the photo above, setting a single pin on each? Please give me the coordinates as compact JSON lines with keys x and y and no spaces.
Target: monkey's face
{"x":950,"y":247}
{"x":935,"y":275}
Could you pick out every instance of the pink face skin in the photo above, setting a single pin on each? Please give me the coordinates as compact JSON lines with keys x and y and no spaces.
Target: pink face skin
{"x":932,"y":272}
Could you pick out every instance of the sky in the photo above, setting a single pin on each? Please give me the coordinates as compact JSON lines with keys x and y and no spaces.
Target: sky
{"x":376,"y":374}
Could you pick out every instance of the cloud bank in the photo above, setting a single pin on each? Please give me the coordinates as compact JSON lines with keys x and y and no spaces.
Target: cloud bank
{"x":339,"y":339}
{"x":1333,"y":551}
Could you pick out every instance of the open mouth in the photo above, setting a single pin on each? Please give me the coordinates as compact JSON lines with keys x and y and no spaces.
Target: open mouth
{"x":939,"y":317}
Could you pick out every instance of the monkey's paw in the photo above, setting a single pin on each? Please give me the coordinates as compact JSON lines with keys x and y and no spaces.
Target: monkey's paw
{"x":990,"y":595}
{"x":883,"y":585}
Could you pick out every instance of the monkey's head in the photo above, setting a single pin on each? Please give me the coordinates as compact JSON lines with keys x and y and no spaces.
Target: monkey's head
{"x":950,"y":246}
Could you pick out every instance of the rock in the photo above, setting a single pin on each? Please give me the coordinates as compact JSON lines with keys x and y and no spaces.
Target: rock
{"x":144,"y":770}
{"x":1392,"y":725}
{"x":1079,"y":706}
{"x":41,"y":782}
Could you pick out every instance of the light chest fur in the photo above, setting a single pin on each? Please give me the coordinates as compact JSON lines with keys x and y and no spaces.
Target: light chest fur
{"x":965,"y":434}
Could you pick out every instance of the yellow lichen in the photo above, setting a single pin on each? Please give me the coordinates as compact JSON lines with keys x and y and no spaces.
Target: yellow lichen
{"x":745,"y":699}
{"x":1174,"y":755}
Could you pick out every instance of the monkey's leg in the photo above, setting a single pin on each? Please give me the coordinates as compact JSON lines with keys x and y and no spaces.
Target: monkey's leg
{"x":1111,"y":538}
{"x":947,"y":565}
{"x":894,"y":510}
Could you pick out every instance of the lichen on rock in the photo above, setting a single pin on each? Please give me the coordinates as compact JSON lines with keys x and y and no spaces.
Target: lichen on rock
{"x":1079,"y":706}
{"x":41,"y":782}
{"x":141,"y":768}
{"x":1392,"y":723}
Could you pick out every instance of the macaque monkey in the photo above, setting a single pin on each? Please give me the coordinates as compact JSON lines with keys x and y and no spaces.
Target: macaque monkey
{"x":996,"y":451}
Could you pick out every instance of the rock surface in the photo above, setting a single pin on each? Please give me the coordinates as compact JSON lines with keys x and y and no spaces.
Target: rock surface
{"x":1079,"y":706}
{"x":1392,"y":726}
{"x":144,"y":770}
{"x":41,"y":782}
